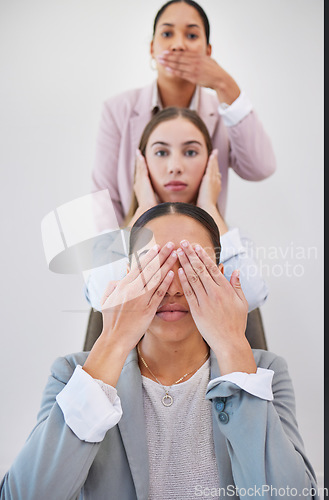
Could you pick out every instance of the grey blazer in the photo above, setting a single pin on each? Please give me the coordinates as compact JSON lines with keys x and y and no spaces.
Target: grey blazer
{"x":258,"y":448}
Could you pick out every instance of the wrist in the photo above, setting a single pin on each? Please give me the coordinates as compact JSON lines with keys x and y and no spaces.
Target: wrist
{"x":106,"y":360}
{"x":227,"y":90}
{"x":235,"y":357}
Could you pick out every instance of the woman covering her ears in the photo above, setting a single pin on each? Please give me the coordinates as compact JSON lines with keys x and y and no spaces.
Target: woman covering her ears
{"x":181,"y":53}
{"x":176,"y":162}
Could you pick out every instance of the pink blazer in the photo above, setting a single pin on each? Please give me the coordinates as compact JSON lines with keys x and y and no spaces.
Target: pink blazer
{"x":245,"y":147}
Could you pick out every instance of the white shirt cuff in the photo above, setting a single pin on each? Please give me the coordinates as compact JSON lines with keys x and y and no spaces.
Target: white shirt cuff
{"x":258,"y":384}
{"x":87,"y":409}
{"x":231,"y":244}
{"x":238,"y":110}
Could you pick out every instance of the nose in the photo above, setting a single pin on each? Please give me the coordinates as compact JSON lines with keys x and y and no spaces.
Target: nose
{"x":178,"y":43}
{"x":175,"y":288}
{"x":175,"y":165}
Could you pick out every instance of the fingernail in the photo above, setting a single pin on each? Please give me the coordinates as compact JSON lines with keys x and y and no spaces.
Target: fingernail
{"x":173,"y":254}
{"x":156,"y":247}
{"x":169,"y":244}
{"x":238,"y":273}
{"x":184,"y":243}
{"x":197,"y":248}
{"x":170,"y":273}
{"x":180,"y":251}
{"x":180,"y":270}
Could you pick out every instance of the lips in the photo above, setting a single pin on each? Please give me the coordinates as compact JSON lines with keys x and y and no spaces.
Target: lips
{"x":172,"y":312}
{"x":172,"y":307}
{"x":175,"y":185}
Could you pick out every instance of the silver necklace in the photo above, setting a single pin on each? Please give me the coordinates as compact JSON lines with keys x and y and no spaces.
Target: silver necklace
{"x":167,"y":399}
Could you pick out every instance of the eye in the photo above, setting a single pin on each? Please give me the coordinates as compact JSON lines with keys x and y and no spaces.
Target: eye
{"x":166,"y":34}
{"x":161,"y":152}
{"x":192,"y":36}
{"x":191,"y":152}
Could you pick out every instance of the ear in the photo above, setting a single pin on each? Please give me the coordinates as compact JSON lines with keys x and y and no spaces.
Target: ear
{"x":221,"y":268}
{"x":128,"y":269}
{"x":209,"y":49}
{"x":151,"y":48}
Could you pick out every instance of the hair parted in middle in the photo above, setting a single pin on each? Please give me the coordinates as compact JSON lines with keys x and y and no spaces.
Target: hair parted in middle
{"x":171,"y":113}
{"x":169,"y":208}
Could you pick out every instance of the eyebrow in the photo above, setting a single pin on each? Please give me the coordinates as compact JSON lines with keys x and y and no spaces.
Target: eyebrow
{"x":188,"y":25}
{"x":186,"y":143}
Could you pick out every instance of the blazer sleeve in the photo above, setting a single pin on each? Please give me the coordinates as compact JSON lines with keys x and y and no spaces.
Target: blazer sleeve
{"x":251,"y":153}
{"x":263,"y":441}
{"x":53,"y":457}
{"x":237,"y":253}
{"x":104,"y":175}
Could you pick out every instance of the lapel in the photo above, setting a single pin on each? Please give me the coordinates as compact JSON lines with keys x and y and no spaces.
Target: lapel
{"x":221,"y":451}
{"x":141,"y":114}
{"x":207,"y":110}
{"x":132,"y":426}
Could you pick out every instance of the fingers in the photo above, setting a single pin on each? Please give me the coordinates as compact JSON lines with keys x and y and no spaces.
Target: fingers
{"x":160,"y":292}
{"x":235,"y":282}
{"x":194,"y":270}
{"x":156,"y":270}
{"x":178,"y":59}
{"x":199,"y":265}
{"x":187,"y":289}
{"x":212,"y":164}
{"x":109,"y":289}
{"x":140,"y":162}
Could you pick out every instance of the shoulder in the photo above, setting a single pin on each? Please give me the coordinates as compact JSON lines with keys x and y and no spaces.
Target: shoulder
{"x":129,"y":99}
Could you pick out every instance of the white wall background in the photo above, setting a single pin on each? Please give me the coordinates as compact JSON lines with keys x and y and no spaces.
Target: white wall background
{"x":59,"y":61}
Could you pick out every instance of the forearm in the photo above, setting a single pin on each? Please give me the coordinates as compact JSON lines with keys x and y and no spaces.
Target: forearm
{"x":252,"y":156}
{"x":235,"y":356}
{"x":226,"y":88}
{"x":212,"y":210}
{"x":106,"y":360}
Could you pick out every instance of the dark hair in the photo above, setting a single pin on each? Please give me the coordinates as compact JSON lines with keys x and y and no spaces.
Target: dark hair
{"x":170,"y":114}
{"x":196,"y":6}
{"x":168,"y":208}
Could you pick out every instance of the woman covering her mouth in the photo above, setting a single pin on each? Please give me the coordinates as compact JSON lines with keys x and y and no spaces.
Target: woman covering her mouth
{"x":182,"y":55}
{"x":167,"y":409}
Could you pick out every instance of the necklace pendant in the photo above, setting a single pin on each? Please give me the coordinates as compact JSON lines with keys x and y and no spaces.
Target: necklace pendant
{"x":167,"y":400}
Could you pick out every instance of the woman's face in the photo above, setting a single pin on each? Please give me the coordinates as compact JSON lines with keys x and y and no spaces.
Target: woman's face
{"x":176,"y":155}
{"x":179,"y":28}
{"x":176,"y":323}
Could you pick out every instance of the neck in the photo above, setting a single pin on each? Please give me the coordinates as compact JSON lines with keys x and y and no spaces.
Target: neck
{"x":176,"y":92}
{"x":169,"y":361}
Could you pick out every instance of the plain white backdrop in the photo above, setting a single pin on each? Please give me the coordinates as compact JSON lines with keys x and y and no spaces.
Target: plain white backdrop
{"x":59,"y":61}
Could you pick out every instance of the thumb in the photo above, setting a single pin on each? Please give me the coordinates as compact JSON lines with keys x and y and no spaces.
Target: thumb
{"x":235,"y":282}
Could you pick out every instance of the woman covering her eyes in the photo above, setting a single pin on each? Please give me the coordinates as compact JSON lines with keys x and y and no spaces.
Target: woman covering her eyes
{"x":175,"y":162}
{"x":171,"y":402}
{"x":181,"y":52}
